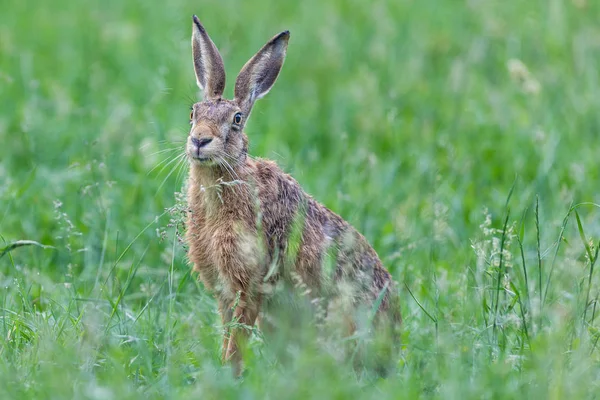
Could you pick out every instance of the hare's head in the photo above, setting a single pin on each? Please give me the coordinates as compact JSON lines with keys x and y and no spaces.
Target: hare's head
{"x":216,"y":136}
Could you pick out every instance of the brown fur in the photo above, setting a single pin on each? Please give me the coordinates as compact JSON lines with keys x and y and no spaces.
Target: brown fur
{"x":243,"y":211}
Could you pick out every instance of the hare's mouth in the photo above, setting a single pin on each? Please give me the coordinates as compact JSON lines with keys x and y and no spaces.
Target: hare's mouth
{"x":195,"y":155}
{"x":201,"y":160}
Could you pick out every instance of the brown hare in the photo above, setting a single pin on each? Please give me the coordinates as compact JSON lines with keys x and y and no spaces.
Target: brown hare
{"x":244,"y":210}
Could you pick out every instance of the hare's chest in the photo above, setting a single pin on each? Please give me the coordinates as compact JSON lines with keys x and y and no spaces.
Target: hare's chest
{"x":198,"y":238}
{"x":219,"y":251}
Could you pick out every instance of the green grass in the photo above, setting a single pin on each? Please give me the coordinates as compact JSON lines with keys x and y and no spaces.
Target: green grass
{"x":414,"y":120}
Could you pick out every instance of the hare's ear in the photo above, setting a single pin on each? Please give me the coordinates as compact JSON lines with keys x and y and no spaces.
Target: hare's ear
{"x":208,"y":64}
{"x":259,"y":74}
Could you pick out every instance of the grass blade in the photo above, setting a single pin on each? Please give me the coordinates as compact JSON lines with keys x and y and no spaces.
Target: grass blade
{"x":420,"y":305}
{"x":538,"y":246}
{"x":558,"y":242}
{"x":587,"y":296}
{"x":20,"y":243}
{"x":499,"y":276}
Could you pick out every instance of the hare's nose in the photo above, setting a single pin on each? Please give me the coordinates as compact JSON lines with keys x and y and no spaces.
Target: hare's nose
{"x":201,"y":142}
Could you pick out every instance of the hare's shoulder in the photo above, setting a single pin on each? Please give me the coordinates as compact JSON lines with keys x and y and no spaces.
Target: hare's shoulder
{"x":277,"y":186}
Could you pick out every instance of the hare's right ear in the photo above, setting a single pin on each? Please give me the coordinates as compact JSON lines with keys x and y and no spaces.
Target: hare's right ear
{"x":259,"y":74}
{"x":208,"y":64}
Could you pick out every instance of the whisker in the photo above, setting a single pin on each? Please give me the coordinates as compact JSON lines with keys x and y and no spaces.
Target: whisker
{"x":233,"y":160}
{"x":190,"y":99}
{"x":180,"y":176}
{"x":223,"y":157}
{"x":181,"y":159}
{"x":170,"y":141}
{"x":220,"y":161}
{"x":170,"y":162}
{"x":160,"y":163}
{"x":164,"y":151}
{"x":223,"y":162}
{"x":250,"y":156}
{"x":184,"y":130}
{"x":231,"y":170}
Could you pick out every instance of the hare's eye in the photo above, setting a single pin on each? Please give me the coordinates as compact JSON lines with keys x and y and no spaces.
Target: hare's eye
{"x":192,"y":115}
{"x":237,"y":118}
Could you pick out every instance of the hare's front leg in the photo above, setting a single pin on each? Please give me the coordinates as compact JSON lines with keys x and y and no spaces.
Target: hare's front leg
{"x":244,"y":317}
{"x":238,"y":263}
{"x":226,"y":311}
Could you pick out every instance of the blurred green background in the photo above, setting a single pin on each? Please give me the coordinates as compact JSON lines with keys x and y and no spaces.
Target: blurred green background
{"x":414,"y":120}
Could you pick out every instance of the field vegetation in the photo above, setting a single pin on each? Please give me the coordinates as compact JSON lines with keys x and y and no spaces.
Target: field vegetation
{"x":460,"y":137}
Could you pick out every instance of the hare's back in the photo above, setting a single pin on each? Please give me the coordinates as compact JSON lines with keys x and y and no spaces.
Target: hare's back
{"x":286,"y":207}
{"x":280,"y":198}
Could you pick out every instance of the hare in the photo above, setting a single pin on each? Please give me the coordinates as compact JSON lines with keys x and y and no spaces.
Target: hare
{"x":244,"y":210}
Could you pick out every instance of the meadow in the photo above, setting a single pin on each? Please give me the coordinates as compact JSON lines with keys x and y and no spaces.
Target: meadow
{"x":460,"y":137}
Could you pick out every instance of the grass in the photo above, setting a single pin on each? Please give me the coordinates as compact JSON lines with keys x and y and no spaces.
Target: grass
{"x":458,"y":136}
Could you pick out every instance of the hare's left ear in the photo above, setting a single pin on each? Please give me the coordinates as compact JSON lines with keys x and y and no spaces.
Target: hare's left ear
{"x":208,"y":64}
{"x":259,"y":74}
